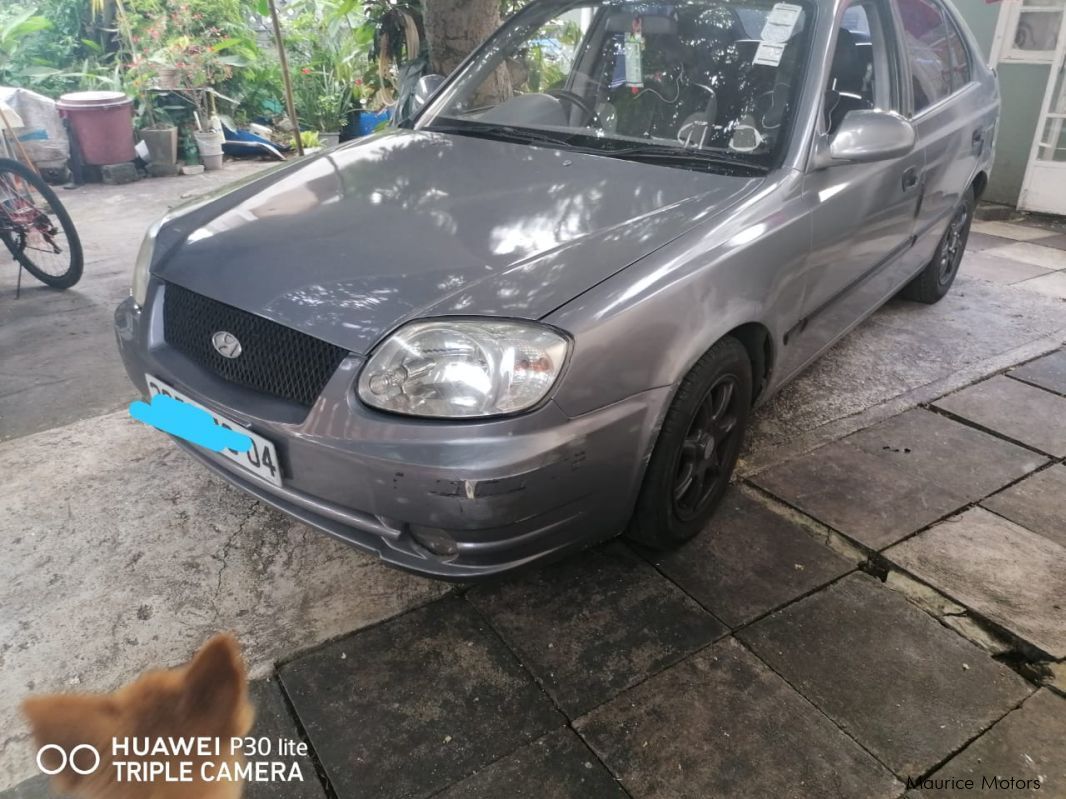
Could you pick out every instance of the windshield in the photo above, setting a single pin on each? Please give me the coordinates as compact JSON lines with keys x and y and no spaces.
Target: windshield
{"x":712,"y":81}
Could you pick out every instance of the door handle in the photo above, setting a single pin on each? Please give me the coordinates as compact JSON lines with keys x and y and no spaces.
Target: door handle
{"x":977,"y":141}
{"x":910,"y":178}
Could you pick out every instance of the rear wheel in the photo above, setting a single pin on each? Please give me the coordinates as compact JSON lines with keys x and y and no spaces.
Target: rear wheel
{"x":934,"y":282}
{"x":36,"y":228}
{"x":697,"y":449}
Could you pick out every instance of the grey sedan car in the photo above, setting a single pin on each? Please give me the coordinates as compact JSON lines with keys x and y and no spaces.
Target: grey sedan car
{"x":540,"y":313}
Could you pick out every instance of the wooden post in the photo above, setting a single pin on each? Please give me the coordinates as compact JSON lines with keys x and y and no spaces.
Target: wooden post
{"x":285,"y":76}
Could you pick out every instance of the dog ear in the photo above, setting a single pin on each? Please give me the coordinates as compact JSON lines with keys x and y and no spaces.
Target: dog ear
{"x":215,"y":682}
{"x":69,"y":721}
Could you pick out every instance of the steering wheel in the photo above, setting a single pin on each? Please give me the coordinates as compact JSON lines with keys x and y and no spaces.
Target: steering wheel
{"x":574,"y":98}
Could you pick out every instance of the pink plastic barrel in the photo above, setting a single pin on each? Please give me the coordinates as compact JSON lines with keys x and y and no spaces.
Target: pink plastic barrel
{"x":103,"y":124}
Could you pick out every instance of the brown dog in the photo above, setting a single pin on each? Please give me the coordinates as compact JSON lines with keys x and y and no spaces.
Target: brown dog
{"x":206,"y":700}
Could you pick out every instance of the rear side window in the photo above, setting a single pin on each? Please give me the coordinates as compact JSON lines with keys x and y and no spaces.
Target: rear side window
{"x":926,"y":37}
{"x":960,"y":58}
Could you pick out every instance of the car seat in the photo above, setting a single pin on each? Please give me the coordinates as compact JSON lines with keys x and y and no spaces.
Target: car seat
{"x":847,"y":81}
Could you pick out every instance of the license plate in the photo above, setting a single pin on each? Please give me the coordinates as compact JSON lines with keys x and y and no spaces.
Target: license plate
{"x":261,"y":460}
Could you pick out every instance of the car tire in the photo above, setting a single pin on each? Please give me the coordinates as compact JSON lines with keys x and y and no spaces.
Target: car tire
{"x":697,"y":449}
{"x":934,"y":282}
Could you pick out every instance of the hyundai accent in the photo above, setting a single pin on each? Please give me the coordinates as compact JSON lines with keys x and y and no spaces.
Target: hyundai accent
{"x":540,"y":312}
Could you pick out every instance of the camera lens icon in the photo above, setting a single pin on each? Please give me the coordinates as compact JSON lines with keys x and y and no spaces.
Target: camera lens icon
{"x":76,"y":763}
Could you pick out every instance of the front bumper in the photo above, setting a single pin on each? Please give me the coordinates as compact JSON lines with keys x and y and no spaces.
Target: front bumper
{"x":457,"y":500}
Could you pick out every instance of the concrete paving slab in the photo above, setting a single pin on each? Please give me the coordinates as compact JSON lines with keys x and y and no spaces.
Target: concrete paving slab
{"x":998,"y":569}
{"x":986,"y":266}
{"x":1013,"y":409}
{"x":864,"y":496}
{"x":121,"y":554}
{"x":558,"y":766}
{"x":1037,"y":503}
{"x":750,"y":561}
{"x":1021,"y":756}
{"x":983,"y":241}
{"x":1008,"y":230}
{"x":274,"y":722}
{"x":722,"y":724}
{"x":1048,"y":373}
{"x":593,"y":625}
{"x":1058,"y":241}
{"x":1050,"y":285}
{"x":955,"y":456}
{"x":407,"y":708}
{"x":905,"y":687}
{"x":33,"y":788}
{"x":1031,"y":253}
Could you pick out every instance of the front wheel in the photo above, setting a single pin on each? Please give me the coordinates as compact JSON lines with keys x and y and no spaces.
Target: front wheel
{"x":934,"y":282}
{"x":697,"y":449}
{"x":36,"y":228}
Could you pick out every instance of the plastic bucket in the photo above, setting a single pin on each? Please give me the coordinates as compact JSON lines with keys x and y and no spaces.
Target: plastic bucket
{"x":103,"y":125}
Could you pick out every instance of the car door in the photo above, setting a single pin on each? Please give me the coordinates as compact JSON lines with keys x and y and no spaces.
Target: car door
{"x":863,"y":214}
{"x":952,"y":126}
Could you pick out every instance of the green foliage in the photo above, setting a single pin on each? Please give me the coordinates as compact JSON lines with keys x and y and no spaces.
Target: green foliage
{"x":329,"y":44}
{"x":197,"y":43}
{"x":55,"y":46}
{"x":342,"y":53}
{"x":17,"y":28}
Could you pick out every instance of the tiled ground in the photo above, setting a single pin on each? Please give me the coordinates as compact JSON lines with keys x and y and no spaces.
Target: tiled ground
{"x":1025,"y":255}
{"x":765,"y":658}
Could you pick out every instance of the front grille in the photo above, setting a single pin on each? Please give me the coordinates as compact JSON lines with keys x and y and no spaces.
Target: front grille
{"x":274,"y":359}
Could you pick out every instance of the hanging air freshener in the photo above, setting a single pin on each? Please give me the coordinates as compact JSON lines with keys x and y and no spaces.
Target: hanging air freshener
{"x":634,"y":47}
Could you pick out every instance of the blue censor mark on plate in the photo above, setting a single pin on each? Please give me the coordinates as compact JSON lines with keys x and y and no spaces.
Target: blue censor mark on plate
{"x":192,"y":424}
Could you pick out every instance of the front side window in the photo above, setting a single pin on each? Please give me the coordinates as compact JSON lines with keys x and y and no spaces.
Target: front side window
{"x":925,"y":35}
{"x":858,"y":78}
{"x":695,"y":83}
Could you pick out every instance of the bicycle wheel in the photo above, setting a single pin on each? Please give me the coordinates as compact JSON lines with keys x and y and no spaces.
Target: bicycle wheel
{"x":36,"y":228}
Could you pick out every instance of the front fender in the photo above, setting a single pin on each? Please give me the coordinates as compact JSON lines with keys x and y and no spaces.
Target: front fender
{"x":646,"y":326}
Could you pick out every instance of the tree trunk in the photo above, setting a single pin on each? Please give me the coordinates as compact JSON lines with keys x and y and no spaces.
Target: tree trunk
{"x":455,"y":27}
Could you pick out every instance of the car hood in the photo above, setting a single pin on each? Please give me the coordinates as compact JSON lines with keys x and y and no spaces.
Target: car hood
{"x":348,"y":245}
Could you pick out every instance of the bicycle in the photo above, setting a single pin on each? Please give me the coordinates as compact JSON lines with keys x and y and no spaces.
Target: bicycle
{"x":36,"y":228}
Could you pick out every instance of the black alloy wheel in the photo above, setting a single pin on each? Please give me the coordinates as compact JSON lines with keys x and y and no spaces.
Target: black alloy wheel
{"x":697,"y":449}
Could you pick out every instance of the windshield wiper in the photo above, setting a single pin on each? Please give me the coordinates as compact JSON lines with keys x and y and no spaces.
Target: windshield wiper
{"x":691,"y":158}
{"x":582,"y":142}
{"x":501,"y":133}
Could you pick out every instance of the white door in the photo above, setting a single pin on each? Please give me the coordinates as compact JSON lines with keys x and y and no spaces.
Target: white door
{"x":1044,"y":187}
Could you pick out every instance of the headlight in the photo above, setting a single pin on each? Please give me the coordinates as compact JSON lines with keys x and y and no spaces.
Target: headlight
{"x":463,"y":368}
{"x":141,"y":267}
{"x":139,"y":289}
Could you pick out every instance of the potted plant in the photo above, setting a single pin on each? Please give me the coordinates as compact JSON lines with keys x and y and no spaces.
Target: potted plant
{"x":331,"y":108}
{"x":157,"y":131}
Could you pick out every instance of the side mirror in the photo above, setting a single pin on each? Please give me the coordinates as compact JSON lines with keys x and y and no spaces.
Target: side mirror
{"x":425,"y":88}
{"x":865,"y":136}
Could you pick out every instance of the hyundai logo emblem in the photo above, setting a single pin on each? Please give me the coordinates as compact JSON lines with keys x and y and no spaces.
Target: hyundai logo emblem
{"x":226,"y":344}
